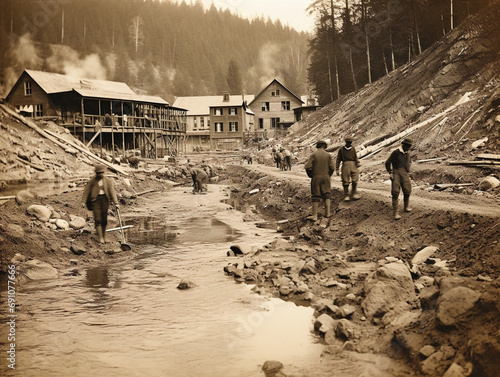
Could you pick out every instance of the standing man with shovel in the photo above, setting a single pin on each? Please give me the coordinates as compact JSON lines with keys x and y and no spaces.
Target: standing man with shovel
{"x":96,"y":197}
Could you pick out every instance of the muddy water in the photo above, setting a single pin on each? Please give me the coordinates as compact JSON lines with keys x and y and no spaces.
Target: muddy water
{"x":129,"y":319}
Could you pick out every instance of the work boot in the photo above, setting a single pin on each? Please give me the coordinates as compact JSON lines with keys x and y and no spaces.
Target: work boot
{"x":354,"y":192}
{"x":395,"y":209}
{"x":346,"y":193}
{"x":100,"y":234}
{"x":314,"y":216}
{"x":407,"y":207}
{"x":327,"y":208}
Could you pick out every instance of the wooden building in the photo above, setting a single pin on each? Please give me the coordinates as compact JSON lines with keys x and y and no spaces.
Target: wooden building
{"x":216,"y":122}
{"x":273,"y":109}
{"x":106,"y":113}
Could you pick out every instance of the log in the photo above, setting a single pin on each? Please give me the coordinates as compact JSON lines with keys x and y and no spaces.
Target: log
{"x":472,"y":163}
{"x":146,"y":192}
{"x":443,"y":186}
{"x":89,"y":154}
{"x":488,"y":156}
{"x":93,"y":138}
{"x":34,"y":166}
{"x":7,"y":197}
{"x":412,"y":129}
{"x":432,"y":159}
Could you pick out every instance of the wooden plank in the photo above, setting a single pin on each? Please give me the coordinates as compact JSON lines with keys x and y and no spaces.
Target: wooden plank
{"x":34,"y":166}
{"x":89,"y":154}
{"x":7,"y":197}
{"x":443,"y":186}
{"x":432,"y":159}
{"x":472,"y":163}
{"x":488,"y":156}
{"x":93,"y":138}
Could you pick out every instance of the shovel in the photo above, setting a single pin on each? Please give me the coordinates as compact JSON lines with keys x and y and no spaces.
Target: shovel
{"x":123,"y":245}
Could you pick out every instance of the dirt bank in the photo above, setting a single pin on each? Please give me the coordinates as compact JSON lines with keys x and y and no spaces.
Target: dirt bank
{"x":332,"y":265}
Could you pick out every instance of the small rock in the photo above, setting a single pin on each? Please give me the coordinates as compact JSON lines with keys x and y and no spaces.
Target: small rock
{"x":271,"y":367}
{"x":185,"y":284}
{"x":455,"y":370}
{"x":426,"y":351}
{"x":424,"y":254}
{"x":77,"y":222}
{"x":38,"y":270}
{"x":62,"y":224}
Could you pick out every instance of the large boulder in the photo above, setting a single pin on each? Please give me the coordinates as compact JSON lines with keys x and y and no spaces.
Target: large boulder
{"x":454,"y":303}
{"x":24,"y":196}
{"x":42,"y":213}
{"x":389,"y":289}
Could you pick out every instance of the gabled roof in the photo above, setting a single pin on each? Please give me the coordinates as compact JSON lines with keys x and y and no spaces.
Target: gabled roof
{"x":56,"y":83}
{"x":277,"y":81}
{"x":101,"y":94}
{"x":199,"y":105}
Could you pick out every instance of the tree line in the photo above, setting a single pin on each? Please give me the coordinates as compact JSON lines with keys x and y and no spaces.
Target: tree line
{"x":161,"y":47}
{"x":358,"y":41}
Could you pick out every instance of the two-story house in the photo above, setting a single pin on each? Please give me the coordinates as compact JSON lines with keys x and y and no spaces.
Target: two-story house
{"x":200,"y":120}
{"x":230,"y":120}
{"x":273,"y":109}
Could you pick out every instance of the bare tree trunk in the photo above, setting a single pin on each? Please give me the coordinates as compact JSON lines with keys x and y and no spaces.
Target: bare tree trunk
{"x":391,"y":43}
{"x":417,"y":33}
{"x":334,"y":47}
{"x":368,"y":61}
{"x":451,"y":14}
{"x":352,"y":70}
{"x":62,"y":26}
{"x":348,"y":32}
{"x":385,"y":64}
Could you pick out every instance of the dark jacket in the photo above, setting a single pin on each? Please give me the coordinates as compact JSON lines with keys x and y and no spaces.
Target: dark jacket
{"x":92,"y":190}
{"x":398,"y":160}
{"x":346,"y":155}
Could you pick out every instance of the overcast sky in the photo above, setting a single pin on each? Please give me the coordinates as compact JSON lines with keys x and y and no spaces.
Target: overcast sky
{"x":289,"y":12}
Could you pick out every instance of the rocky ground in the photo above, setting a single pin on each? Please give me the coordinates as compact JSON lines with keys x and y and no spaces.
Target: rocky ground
{"x":425,"y":288}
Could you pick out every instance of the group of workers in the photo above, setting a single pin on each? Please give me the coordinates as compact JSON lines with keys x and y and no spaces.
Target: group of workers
{"x":100,"y":190}
{"x":319,"y":167}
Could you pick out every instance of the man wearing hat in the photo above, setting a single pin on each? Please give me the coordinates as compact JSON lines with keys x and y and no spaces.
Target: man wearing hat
{"x":319,"y":167}
{"x":97,"y":194}
{"x":350,"y":173}
{"x":398,"y":166}
{"x":199,"y":177}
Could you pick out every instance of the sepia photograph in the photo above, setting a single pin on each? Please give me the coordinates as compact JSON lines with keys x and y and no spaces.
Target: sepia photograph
{"x":245,"y":188}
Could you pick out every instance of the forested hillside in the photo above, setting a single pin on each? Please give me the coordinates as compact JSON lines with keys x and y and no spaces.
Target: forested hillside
{"x":359,"y":41}
{"x":163,"y":48}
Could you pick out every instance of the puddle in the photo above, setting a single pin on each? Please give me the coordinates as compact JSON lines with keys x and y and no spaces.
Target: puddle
{"x":155,"y":230}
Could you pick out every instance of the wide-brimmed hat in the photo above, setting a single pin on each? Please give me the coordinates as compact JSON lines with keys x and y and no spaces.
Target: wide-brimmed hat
{"x":321,"y":142}
{"x":407,"y":141}
{"x":99,"y":168}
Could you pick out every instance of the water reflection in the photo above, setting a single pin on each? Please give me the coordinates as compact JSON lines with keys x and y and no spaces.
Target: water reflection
{"x":154,"y":230}
{"x":97,"y":277}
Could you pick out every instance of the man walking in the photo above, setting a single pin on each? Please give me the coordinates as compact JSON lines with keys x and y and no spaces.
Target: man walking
{"x":319,"y":167}
{"x":398,"y":166}
{"x":97,"y":194}
{"x":350,"y":173}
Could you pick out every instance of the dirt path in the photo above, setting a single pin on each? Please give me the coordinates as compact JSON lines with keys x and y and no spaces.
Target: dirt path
{"x":424,"y":200}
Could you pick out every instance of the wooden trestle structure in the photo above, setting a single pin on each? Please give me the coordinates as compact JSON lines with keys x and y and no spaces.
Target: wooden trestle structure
{"x":156,"y":130}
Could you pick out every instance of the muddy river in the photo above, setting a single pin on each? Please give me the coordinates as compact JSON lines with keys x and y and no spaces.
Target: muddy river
{"x":129,"y":319}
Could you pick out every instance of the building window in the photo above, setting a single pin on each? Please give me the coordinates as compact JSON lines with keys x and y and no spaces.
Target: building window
{"x":219,"y":127}
{"x":265,"y":106}
{"x":218,"y":111}
{"x":225,"y":97}
{"x":27,"y":88}
{"x":285,"y":105}
{"x":261,"y":123}
{"x":202,"y":122}
{"x":39,"y":111}
{"x":233,"y":126}
{"x":195,"y":123}
{"x":275,"y":93}
{"x":233,"y":111}
{"x":275,"y":122}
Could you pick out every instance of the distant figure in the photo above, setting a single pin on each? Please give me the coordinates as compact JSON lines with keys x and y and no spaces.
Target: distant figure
{"x":350,"y":173}
{"x":108,"y":121}
{"x":250,"y":160}
{"x":96,"y":197}
{"x":287,"y":160}
{"x":398,"y":166}
{"x":278,"y":158}
{"x":199,"y":177}
{"x":319,"y":167}
{"x":134,"y":161}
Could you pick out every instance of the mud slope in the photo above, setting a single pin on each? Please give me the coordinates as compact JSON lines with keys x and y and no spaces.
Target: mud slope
{"x":467,"y":60}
